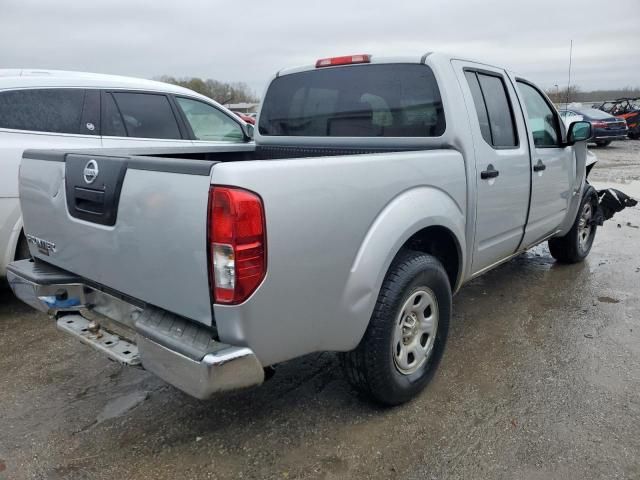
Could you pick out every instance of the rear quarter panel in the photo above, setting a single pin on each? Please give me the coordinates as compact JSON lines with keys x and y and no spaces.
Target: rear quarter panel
{"x":334,"y":224}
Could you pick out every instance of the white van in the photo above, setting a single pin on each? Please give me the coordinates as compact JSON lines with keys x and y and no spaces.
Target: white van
{"x":48,"y":108}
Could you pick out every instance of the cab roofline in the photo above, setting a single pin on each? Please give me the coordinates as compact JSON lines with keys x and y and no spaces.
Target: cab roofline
{"x":374,"y":59}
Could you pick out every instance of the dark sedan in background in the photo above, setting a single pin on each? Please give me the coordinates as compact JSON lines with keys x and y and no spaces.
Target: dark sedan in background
{"x":605,"y":127}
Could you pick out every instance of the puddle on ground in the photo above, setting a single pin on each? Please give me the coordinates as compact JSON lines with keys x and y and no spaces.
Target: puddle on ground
{"x":608,"y":300}
{"x":121,"y":405}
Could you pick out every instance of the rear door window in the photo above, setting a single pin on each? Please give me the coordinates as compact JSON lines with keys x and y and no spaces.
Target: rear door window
{"x":55,"y":110}
{"x":494,"y":110}
{"x":385,"y":100}
{"x":209,"y":123}
{"x":147,"y":115}
{"x":481,"y":107}
{"x":112,"y":122}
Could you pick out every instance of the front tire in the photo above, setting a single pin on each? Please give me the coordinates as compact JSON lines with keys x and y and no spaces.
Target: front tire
{"x":576,"y":245}
{"x":404,"y":342}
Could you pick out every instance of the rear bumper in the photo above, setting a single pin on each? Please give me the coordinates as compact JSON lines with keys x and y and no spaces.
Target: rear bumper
{"x":601,"y":134}
{"x":180,"y":352}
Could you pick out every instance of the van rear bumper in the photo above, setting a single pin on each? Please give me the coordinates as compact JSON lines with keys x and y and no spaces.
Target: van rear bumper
{"x":177,"y":350}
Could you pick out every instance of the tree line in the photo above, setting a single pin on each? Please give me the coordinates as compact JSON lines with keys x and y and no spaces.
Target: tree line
{"x":575,"y":94}
{"x":221,"y":92}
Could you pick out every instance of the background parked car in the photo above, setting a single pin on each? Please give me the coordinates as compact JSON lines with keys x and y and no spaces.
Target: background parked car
{"x":45,"y":108}
{"x":627,"y":109}
{"x":605,"y":127}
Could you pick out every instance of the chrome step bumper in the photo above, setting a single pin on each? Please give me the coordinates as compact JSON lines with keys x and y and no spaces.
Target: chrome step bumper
{"x":177,"y":350}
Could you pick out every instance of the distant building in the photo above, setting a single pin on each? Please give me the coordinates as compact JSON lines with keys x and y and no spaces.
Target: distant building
{"x":242,"y":107}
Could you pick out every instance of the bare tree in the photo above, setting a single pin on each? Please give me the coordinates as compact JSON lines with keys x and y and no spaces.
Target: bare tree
{"x":559,"y":95}
{"x":221,"y":92}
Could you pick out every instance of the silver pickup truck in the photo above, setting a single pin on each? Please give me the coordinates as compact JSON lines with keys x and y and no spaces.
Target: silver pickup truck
{"x":375,"y":189}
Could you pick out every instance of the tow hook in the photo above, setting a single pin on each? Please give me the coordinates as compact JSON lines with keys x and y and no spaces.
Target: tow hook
{"x":94,"y":327}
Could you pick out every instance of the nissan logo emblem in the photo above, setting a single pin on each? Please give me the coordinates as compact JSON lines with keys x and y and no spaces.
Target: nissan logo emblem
{"x":90,"y":172}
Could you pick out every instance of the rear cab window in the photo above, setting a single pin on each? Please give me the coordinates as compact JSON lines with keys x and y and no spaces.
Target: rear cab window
{"x":373,"y":100}
{"x":53,"y":110}
{"x":596,"y":114}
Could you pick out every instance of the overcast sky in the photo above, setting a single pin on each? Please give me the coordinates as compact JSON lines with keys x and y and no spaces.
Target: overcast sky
{"x":250,"y":40}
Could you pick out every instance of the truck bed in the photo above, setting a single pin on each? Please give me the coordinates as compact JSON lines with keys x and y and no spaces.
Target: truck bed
{"x":226,"y":153}
{"x":141,"y":228}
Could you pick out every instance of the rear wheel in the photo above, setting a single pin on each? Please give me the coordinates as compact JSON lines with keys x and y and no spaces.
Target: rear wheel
{"x":406,"y":336}
{"x":603,"y":143}
{"x":576,"y":245}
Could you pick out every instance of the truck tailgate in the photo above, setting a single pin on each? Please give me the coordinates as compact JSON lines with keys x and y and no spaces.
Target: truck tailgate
{"x":136,"y":225}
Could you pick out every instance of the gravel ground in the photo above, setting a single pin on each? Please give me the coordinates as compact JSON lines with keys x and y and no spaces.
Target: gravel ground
{"x":540,"y":380}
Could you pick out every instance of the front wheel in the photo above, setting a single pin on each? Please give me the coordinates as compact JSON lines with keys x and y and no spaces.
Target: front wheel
{"x":406,"y":336}
{"x":576,"y":245}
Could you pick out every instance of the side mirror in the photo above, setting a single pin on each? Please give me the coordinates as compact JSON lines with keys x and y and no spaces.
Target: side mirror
{"x":579,"y":132}
{"x":248,"y":130}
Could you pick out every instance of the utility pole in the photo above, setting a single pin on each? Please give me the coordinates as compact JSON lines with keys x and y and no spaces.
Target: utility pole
{"x":569,"y":81}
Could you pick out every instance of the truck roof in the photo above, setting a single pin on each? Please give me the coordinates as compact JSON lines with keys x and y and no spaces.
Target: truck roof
{"x":438,"y":56}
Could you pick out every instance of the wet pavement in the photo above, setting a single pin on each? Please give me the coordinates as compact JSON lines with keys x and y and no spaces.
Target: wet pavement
{"x":540,"y":380}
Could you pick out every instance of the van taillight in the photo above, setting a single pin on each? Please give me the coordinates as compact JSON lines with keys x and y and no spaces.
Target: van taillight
{"x":237,"y":248}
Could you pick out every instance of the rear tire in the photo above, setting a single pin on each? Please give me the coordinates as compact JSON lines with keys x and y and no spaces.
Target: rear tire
{"x":576,"y":245}
{"x":603,"y":143}
{"x":404,"y":342}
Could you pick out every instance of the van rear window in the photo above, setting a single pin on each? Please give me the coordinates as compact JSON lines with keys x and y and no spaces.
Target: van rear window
{"x":385,"y":100}
{"x":55,"y":110}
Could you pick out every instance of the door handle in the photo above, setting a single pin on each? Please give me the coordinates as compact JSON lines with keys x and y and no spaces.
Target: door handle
{"x":490,"y":172}
{"x":538,"y":167}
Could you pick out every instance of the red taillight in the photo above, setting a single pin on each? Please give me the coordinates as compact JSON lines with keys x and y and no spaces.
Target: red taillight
{"x":347,"y":60}
{"x":598,"y":124}
{"x":237,"y":250}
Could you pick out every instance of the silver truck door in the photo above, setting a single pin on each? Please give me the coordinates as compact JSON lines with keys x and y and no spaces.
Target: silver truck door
{"x":502,"y":162}
{"x":553,"y":165}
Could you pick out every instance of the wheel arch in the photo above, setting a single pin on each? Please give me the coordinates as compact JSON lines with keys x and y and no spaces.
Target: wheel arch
{"x":426,"y":219}
{"x":441,"y":243}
